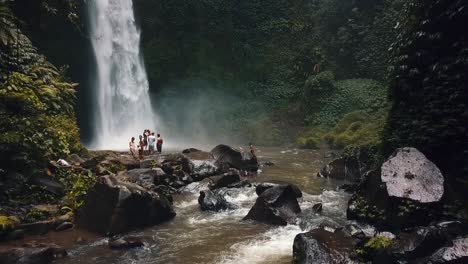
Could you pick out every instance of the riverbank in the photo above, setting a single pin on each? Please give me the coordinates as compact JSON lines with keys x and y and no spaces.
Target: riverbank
{"x":195,"y":235}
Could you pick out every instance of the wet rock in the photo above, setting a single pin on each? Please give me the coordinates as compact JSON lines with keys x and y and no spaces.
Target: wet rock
{"x":38,"y":228}
{"x":277,"y":205}
{"x":165,"y":191}
{"x":174,"y":162}
{"x":76,"y":160}
{"x":225,"y":155}
{"x":49,"y":183}
{"x":204,"y":168}
{"x":424,"y":241}
{"x":15,"y":234}
{"x":125,"y":243}
{"x":456,"y":252}
{"x":146,"y":178}
{"x":406,"y":192}
{"x":224,"y":180}
{"x":349,"y":188}
{"x":32,"y":254}
{"x":64,"y":226}
{"x":265,"y":163}
{"x":113,"y":207}
{"x":196,"y":154}
{"x":350,"y":167}
{"x":334,"y":170}
{"x":91,"y":163}
{"x":241,"y":184}
{"x":317,"y":208}
{"x":213,"y":201}
{"x":187,"y":179}
{"x":321,"y":247}
{"x":409,"y":174}
{"x":148,"y":163}
{"x":351,"y":230}
{"x":177,"y":184}
{"x":260,"y":188}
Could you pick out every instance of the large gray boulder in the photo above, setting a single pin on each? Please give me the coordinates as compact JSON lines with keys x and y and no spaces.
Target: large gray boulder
{"x":409,"y":174}
{"x":112,"y":207}
{"x":407,"y":191}
{"x":321,"y":247}
{"x":277,"y":206}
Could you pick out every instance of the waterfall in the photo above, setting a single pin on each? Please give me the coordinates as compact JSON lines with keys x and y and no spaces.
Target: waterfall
{"x":121,"y":87}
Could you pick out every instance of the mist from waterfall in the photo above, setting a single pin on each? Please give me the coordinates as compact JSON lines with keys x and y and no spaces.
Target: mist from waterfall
{"x":121,"y":86}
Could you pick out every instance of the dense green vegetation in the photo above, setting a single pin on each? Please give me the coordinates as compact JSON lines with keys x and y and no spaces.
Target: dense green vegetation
{"x":37,"y":118}
{"x":429,"y":87}
{"x":284,"y":68}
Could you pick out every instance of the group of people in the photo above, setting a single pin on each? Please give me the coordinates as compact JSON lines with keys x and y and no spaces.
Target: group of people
{"x":148,"y":141}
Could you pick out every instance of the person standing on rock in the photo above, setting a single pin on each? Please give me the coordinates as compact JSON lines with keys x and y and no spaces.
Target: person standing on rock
{"x":159,"y":143}
{"x":133,"y":148}
{"x":141,"y":147}
{"x":145,"y":138}
{"x":151,"y":143}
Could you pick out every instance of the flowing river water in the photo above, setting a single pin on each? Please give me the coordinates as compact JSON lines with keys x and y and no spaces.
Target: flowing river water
{"x":194,"y":236}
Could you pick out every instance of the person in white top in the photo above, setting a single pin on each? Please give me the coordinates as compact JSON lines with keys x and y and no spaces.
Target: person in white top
{"x":151,"y":143}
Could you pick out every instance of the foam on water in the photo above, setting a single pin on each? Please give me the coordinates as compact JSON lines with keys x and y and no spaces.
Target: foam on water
{"x":267,"y":248}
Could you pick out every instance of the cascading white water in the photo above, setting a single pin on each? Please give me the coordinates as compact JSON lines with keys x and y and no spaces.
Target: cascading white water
{"x":123,"y":104}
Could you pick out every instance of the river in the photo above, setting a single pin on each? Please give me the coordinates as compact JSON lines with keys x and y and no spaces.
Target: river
{"x":194,"y":236}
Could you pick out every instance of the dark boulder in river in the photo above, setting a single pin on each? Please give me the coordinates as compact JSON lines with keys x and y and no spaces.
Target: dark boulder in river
{"x":277,"y":205}
{"x":224,"y":180}
{"x":196,"y":154}
{"x":424,"y":241}
{"x":112,"y":207}
{"x":32,"y":254}
{"x":227,"y":156}
{"x":125,"y":243}
{"x":406,"y":191}
{"x":260,"y":188}
{"x":213,"y":201}
{"x":321,"y":247}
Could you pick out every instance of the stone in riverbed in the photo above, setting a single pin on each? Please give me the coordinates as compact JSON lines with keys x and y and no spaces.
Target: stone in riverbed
{"x":196,"y":154}
{"x":317,"y":208}
{"x":455,"y":253}
{"x":64,"y":226}
{"x":321,"y":247}
{"x":32,"y":254}
{"x":424,"y":241}
{"x":113,"y":207}
{"x":227,"y":156}
{"x":277,"y":205}
{"x":213,"y":201}
{"x":260,"y":188}
{"x":125,"y":243}
{"x":224,"y":180}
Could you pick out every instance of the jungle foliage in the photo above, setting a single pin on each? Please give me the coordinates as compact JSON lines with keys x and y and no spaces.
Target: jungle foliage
{"x":37,"y":118}
{"x":429,"y":90}
{"x":302,"y":64}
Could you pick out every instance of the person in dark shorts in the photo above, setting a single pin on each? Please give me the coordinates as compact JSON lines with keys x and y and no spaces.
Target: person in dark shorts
{"x":159,"y":142}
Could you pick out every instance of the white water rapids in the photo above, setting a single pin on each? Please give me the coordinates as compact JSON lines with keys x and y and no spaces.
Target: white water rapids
{"x":121,"y":88}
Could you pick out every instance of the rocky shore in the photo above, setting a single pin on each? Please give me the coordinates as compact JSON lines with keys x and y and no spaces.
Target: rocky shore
{"x":400,"y":212}
{"x":412,"y":216}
